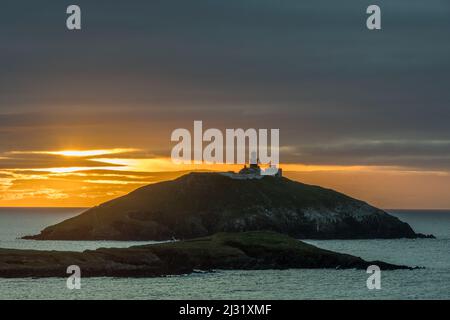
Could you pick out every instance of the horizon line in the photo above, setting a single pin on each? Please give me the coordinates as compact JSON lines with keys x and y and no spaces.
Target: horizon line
{"x":88,"y":207}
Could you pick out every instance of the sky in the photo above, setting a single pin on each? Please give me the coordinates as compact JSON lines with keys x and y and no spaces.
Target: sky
{"x":363,"y":112}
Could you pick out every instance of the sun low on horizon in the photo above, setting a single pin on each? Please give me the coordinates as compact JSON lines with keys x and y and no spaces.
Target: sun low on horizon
{"x":88,"y":177}
{"x":86,"y":115}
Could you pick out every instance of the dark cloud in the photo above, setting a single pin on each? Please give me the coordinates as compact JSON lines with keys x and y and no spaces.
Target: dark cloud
{"x":136,"y":72}
{"x":433,"y":155}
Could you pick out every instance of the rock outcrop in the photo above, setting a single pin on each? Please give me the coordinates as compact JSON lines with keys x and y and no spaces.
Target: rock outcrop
{"x":243,"y":250}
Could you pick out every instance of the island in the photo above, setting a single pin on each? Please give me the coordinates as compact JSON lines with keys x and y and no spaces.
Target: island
{"x":255,"y":250}
{"x":199,"y":204}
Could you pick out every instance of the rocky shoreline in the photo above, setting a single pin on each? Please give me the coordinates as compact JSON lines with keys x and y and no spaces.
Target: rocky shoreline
{"x":228,"y":251}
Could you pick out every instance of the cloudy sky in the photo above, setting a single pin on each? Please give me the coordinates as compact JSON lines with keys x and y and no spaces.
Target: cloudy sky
{"x":364,"y":112}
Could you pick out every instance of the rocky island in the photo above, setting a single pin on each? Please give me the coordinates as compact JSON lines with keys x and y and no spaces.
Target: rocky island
{"x":244,"y":250}
{"x":202,"y":204}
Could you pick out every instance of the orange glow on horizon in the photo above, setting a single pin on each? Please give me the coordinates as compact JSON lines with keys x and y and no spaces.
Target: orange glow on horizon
{"x":99,"y":177}
{"x":166,"y":164}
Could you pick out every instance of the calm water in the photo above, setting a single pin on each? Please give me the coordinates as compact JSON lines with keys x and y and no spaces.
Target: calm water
{"x":430,"y":283}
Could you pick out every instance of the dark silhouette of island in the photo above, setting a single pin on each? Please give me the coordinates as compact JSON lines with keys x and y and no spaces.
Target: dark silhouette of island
{"x":244,"y":250}
{"x":201,"y":204}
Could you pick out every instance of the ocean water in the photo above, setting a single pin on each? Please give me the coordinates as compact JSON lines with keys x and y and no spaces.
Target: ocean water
{"x":433,"y":282}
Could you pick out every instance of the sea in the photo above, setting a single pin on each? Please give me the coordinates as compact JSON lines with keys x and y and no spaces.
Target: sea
{"x":431,"y":282}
